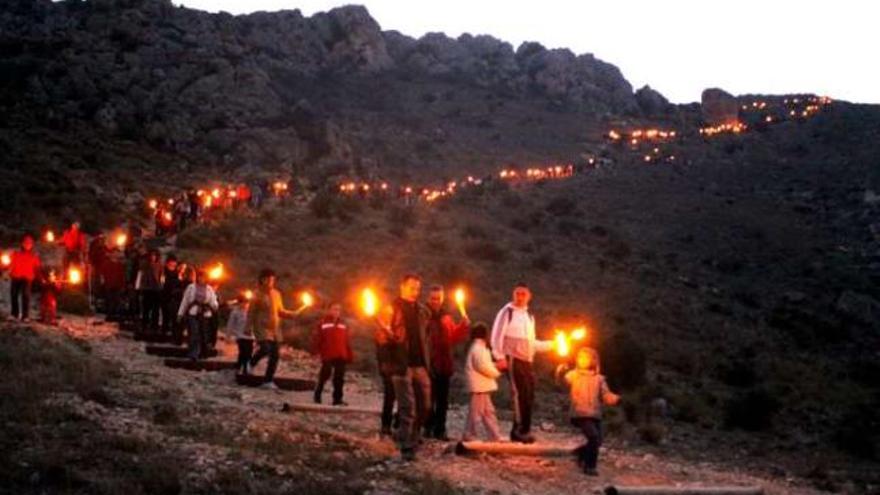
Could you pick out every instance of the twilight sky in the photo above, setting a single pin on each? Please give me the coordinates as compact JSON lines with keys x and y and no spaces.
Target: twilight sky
{"x":678,"y":47}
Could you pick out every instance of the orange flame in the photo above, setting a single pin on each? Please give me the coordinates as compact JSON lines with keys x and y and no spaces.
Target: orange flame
{"x":74,"y":275}
{"x":369,"y":302}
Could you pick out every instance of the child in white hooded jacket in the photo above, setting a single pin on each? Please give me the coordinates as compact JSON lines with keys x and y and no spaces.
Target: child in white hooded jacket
{"x":481,"y":382}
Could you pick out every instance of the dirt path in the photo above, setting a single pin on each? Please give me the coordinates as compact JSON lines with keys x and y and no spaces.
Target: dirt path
{"x":256,"y":412}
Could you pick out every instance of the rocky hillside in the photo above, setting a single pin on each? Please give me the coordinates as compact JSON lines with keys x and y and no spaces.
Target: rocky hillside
{"x":242,"y":90}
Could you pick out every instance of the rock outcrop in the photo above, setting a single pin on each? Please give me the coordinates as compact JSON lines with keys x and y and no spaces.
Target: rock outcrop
{"x":719,"y":107}
{"x":651,"y":102}
{"x":226,"y":89}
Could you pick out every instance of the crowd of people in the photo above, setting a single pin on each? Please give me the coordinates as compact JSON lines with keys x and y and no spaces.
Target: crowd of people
{"x":415,"y":340}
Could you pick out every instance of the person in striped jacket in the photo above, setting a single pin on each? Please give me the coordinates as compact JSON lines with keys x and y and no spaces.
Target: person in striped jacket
{"x":332,"y":342}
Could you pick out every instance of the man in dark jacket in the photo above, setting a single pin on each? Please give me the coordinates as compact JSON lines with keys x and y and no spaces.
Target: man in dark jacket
{"x":172,"y":294}
{"x":410,"y":361}
{"x":443,"y":335}
{"x":332,"y":342}
{"x":149,"y":285}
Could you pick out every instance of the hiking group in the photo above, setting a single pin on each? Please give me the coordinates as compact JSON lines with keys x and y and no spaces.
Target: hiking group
{"x":415,"y":340}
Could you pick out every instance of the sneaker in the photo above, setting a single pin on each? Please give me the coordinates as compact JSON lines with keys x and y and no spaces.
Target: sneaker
{"x":340,"y":403}
{"x":591,"y":472}
{"x":269,"y":386}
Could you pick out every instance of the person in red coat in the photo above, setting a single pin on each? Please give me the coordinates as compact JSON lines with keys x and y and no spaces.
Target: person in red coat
{"x":332,"y":342}
{"x":23,"y":270}
{"x":443,"y":335}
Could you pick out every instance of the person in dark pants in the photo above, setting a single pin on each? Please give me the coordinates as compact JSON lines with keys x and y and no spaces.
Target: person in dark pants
{"x":237,"y":328}
{"x":24,"y":267}
{"x":514,"y":345}
{"x":332,"y":342}
{"x":264,"y":319}
{"x":199,"y":303}
{"x":444,"y":334}
{"x":149,"y":285}
{"x":384,"y":361}
{"x":410,"y":362}
{"x":172,"y":294}
{"x":588,"y":391}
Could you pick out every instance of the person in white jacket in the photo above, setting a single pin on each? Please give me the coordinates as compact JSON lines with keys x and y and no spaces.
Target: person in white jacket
{"x":198,"y":306}
{"x":481,"y":382}
{"x":514,"y":345}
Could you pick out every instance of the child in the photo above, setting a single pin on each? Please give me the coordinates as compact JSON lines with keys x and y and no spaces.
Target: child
{"x":49,"y":298}
{"x":588,"y":391}
{"x":332,"y":342}
{"x":237,"y":328}
{"x":481,"y":375}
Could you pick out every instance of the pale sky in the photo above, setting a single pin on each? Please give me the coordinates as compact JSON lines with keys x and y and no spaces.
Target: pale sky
{"x":678,"y":47}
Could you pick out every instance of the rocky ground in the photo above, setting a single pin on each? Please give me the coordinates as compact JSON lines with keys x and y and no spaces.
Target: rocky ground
{"x":226,"y":436}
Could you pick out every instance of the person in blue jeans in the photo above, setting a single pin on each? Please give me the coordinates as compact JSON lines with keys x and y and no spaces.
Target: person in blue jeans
{"x":198,"y":306}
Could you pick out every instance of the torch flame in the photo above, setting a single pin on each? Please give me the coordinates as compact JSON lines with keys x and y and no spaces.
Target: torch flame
{"x":562,"y":346}
{"x":579,"y":333}
{"x":121,"y":240}
{"x":74,"y":275}
{"x":50,"y":236}
{"x":248,"y":294}
{"x":307,"y":299}
{"x":153,"y":204}
{"x":216,"y":272}
{"x":5,"y":259}
{"x":369,"y":302}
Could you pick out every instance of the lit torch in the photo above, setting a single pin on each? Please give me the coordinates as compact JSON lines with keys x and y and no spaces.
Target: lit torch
{"x":121,"y":240}
{"x":216,"y":272}
{"x":459,"y":302}
{"x":306,"y":300}
{"x":369,"y":302}
{"x":50,"y":236}
{"x":248,"y":294}
{"x":74,"y":275}
{"x":562,"y":345}
{"x":579,"y":333}
{"x":5,"y":260}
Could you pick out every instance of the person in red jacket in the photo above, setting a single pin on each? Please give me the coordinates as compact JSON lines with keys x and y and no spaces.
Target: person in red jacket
{"x":443,"y":335}
{"x":23,"y":270}
{"x":74,"y":242}
{"x":332,"y":342}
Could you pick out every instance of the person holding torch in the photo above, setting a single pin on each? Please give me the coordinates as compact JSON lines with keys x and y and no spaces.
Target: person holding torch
{"x":444,"y":334}
{"x":266,"y":311}
{"x":514,"y":345}
{"x":409,"y":362}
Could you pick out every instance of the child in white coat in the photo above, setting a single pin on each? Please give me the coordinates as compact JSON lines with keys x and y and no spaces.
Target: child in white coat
{"x":481,"y":382}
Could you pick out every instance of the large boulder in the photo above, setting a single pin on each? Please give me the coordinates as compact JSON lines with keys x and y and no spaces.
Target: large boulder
{"x":719,"y":107}
{"x":651,"y":102}
{"x":353,"y":38}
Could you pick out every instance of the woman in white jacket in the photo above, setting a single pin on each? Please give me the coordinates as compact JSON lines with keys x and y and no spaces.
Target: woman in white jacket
{"x":481,"y":382}
{"x":198,"y":305}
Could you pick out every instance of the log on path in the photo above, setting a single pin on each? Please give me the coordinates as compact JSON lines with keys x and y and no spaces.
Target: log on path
{"x":515,"y":448}
{"x":190,"y":365}
{"x":282,"y":382}
{"x":684,"y":490}
{"x":328,"y":409}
